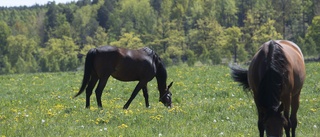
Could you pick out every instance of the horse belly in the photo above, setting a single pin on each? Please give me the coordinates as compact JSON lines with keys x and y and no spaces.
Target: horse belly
{"x":125,"y":75}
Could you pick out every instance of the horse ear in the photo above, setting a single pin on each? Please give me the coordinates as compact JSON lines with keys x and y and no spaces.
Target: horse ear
{"x":170,"y":84}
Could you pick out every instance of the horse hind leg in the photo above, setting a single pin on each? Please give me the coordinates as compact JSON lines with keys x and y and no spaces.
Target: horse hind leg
{"x":146,"y":96}
{"x":99,"y":90}
{"x":89,"y":89}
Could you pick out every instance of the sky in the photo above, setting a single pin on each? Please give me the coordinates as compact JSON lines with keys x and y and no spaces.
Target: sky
{"x":12,"y":3}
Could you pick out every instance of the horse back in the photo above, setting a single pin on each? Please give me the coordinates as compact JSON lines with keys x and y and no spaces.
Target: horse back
{"x":125,"y":64}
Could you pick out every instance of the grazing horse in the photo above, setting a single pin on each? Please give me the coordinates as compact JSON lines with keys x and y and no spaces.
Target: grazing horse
{"x":276,"y":75}
{"x":125,"y":65}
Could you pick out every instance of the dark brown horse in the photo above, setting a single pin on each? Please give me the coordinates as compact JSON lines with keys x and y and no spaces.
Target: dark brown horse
{"x":125,"y":65}
{"x":275,"y":75}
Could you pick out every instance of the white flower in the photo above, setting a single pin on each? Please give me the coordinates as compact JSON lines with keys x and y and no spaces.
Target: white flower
{"x":160,"y":134}
{"x":42,"y":121}
{"x":105,"y":129}
{"x":214,"y":121}
{"x":314,"y":126}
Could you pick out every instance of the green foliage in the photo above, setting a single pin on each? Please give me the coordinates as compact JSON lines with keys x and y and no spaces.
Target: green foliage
{"x":21,"y":53}
{"x":206,"y":38}
{"x":314,"y":33}
{"x":182,"y":31}
{"x":190,"y":57}
{"x":226,"y":12}
{"x":59,"y":55}
{"x":128,"y":40}
{"x":166,"y":59}
{"x":4,"y":34}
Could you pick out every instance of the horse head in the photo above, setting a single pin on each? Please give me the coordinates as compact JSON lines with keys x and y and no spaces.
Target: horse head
{"x":166,"y":97}
{"x":274,"y":121}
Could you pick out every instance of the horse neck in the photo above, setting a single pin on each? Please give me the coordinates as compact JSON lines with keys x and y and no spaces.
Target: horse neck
{"x":161,"y":76}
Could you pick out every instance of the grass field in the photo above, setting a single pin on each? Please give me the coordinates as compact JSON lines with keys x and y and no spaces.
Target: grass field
{"x":205,"y":103}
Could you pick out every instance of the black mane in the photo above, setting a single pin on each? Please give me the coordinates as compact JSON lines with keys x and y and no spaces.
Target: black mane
{"x":161,"y":74}
{"x":271,"y":84}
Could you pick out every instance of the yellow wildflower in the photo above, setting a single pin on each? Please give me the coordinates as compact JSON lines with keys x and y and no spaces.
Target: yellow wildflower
{"x":123,"y":126}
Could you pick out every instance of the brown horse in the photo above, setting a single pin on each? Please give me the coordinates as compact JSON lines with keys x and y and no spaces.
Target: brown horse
{"x":125,"y":65}
{"x":275,"y":75}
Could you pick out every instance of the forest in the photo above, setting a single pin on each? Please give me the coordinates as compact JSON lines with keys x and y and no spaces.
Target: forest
{"x":55,"y":37}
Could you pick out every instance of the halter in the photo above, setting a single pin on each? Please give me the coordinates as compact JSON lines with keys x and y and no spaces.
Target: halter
{"x":165,"y":95}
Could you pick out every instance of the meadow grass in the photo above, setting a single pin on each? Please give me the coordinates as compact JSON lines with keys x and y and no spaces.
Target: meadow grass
{"x":205,"y":103}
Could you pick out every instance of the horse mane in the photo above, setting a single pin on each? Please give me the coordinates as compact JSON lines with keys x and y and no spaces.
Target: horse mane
{"x":161,"y":73}
{"x":272,"y":82}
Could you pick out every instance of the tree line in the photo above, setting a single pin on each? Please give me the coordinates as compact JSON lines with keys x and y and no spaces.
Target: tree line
{"x":55,"y":37}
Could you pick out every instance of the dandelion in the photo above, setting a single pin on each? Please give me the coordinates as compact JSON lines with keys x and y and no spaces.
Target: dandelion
{"x":231,"y":107}
{"x":59,"y":107}
{"x":123,"y":126}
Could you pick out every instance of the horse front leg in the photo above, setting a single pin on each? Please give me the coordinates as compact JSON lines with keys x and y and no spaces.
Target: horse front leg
{"x":286,"y":112}
{"x":139,"y":86}
{"x":89,"y":89}
{"x":260,"y":123}
{"x":293,"y":117}
{"x":146,"y":96}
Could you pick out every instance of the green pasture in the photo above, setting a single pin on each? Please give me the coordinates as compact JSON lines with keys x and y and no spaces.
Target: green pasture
{"x":205,"y":103}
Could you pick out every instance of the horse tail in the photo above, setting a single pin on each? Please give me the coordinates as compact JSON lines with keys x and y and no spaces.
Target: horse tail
{"x":87,"y":70}
{"x":273,"y":79}
{"x":240,"y":75}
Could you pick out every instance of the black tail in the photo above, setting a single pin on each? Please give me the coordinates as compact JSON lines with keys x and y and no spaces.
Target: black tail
{"x":87,"y":70}
{"x":240,"y":75}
